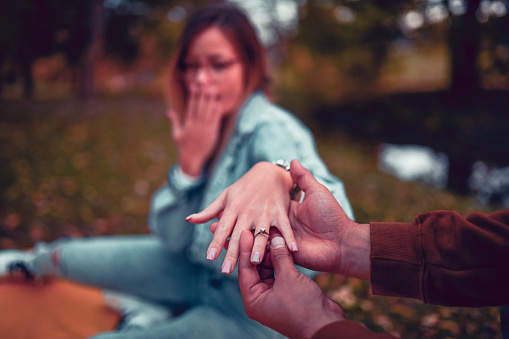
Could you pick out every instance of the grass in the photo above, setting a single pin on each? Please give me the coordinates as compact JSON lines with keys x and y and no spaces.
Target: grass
{"x":72,"y":169}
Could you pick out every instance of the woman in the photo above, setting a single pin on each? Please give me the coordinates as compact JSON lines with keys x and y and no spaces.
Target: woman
{"x":222,"y":124}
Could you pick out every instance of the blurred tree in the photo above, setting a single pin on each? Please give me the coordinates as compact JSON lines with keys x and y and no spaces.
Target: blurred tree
{"x":357,"y":35}
{"x":91,"y":49}
{"x":335,"y":61}
{"x":472,"y":37}
{"x":464,"y":45}
{"x":166,"y":21}
{"x":354,"y":35}
{"x":26,"y":33}
{"x":30,"y":29}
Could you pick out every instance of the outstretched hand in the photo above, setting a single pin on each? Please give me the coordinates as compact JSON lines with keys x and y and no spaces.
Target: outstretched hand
{"x":291,"y":303}
{"x":328,"y":240}
{"x":258,"y":200}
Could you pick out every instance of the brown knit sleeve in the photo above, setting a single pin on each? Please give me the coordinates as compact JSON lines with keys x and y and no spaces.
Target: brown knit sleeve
{"x":443,"y":258}
{"x":348,"y":329}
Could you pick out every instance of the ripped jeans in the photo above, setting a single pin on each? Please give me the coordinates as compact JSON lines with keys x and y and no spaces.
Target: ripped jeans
{"x":141,"y":265}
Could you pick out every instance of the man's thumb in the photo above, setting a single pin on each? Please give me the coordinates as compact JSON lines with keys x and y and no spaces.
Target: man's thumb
{"x":302,"y":177}
{"x":282,"y":259}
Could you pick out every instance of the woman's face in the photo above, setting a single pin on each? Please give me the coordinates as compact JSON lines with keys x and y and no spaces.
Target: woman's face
{"x":213,"y":64}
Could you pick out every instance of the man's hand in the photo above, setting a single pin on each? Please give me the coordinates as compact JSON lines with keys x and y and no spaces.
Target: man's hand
{"x":291,"y":303}
{"x":328,"y":240}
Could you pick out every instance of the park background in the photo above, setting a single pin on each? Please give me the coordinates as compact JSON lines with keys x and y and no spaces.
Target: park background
{"x":84,"y":140}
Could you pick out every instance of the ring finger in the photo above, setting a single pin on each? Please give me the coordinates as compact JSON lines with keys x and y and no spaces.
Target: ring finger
{"x":261,"y":238}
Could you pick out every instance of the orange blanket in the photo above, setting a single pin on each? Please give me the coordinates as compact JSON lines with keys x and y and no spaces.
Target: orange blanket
{"x":53,"y":309}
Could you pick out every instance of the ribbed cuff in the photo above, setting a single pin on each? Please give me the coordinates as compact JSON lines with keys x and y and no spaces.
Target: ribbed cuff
{"x":183,"y":182}
{"x":396,"y":263}
{"x":347,"y":329}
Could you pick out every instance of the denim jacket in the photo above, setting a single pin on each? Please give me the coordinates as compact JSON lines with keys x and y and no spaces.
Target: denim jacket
{"x":263,"y":132}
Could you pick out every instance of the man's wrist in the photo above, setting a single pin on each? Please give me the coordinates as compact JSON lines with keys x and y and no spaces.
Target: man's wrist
{"x":355,"y":250}
{"x":313,"y":325}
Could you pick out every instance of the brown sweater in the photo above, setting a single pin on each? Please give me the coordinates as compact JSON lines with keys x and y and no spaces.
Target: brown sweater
{"x":441,"y":258}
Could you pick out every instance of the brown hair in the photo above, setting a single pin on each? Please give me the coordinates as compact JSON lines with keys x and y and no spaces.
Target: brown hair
{"x":233,"y":22}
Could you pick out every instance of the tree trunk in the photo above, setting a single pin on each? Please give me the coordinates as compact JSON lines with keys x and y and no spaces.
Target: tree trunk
{"x":465,"y":85}
{"x":460,"y":169}
{"x":28,"y":79}
{"x":92,"y":52}
{"x":464,"y":44}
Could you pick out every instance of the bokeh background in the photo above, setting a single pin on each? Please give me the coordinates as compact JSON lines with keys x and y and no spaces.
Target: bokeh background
{"x":408,"y":101}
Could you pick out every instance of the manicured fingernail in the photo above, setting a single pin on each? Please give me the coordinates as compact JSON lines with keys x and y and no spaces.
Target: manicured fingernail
{"x":256,"y":257}
{"x":293,"y":247}
{"x":190,"y":217}
{"x":211,"y":254}
{"x":227,"y":267}
{"x":277,"y":242}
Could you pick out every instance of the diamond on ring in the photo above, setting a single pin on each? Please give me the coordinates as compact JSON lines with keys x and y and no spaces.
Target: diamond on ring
{"x":263,"y":230}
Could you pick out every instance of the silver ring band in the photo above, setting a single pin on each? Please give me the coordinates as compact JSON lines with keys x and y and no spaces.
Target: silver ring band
{"x":262,"y":231}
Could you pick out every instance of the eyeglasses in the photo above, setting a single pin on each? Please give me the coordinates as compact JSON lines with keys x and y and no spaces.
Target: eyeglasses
{"x":215,"y":68}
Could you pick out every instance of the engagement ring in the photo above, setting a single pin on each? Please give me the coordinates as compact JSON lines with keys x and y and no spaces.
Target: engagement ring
{"x":262,"y":231}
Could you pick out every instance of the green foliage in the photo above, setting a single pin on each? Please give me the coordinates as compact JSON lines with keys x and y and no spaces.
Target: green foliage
{"x":72,"y":170}
{"x":407,"y":318}
{"x":376,"y":196}
{"x":167,"y":34}
{"x":356,"y":48}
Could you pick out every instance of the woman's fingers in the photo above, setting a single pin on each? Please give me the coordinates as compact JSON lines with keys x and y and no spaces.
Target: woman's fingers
{"x":223,"y":231}
{"x":192,"y":106}
{"x":213,"y":114}
{"x":213,"y":226}
{"x":209,"y":104}
{"x":169,"y":114}
{"x":204,"y":103}
{"x":260,"y":241}
{"x":213,"y":210}
{"x":232,"y":253}
{"x":262,"y":238}
{"x":176,"y":127}
{"x":241,"y":223}
{"x":283,"y":225}
{"x":227,"y":234}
